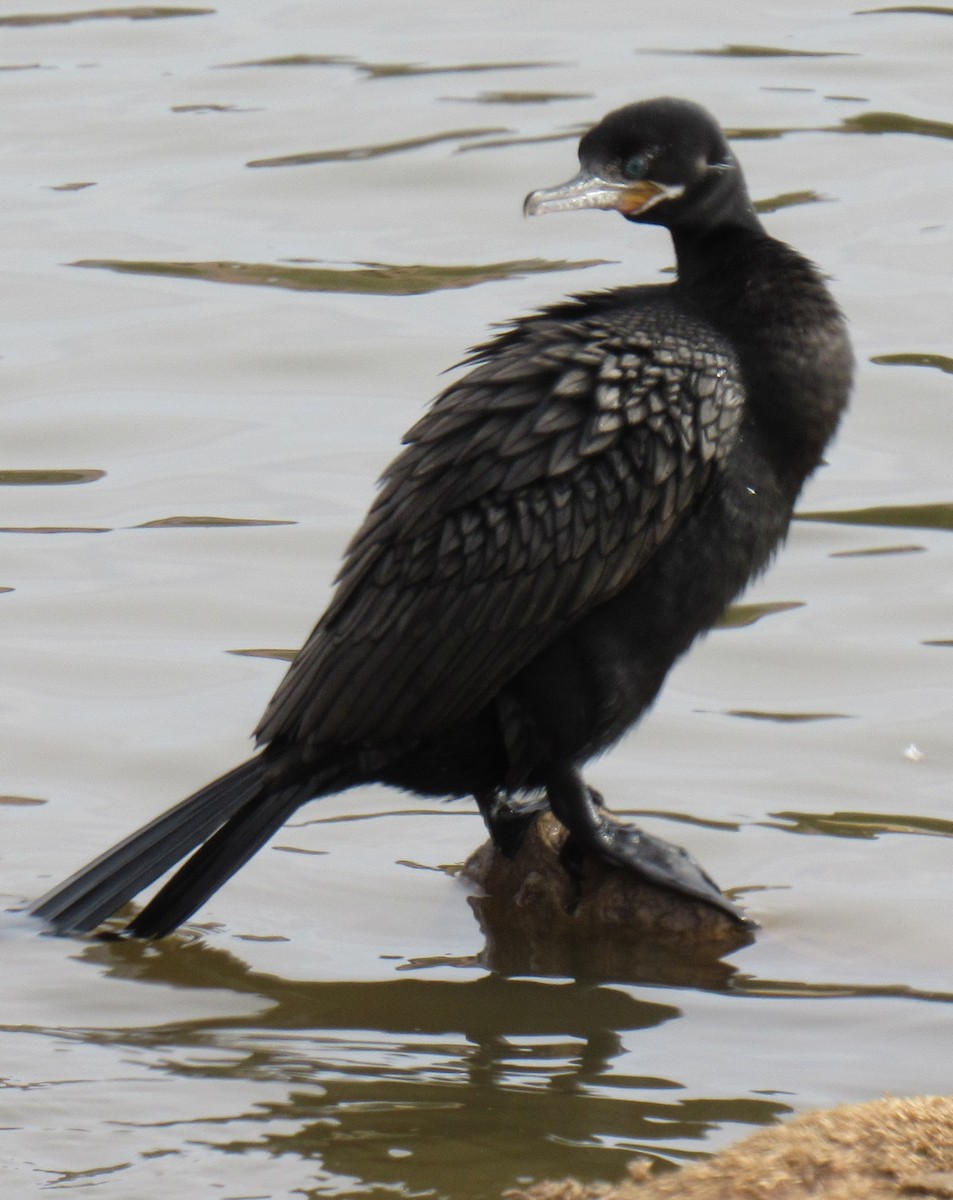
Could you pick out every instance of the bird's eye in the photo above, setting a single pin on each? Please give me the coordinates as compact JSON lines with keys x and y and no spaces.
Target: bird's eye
{"x":635,"y":167}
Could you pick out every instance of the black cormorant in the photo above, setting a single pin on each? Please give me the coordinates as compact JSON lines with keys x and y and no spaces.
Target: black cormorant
{"x":562,"y":524}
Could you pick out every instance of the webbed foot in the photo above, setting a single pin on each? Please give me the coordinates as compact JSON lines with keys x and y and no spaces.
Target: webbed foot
{"x":592,"y":831}
{"x":660,"y":862}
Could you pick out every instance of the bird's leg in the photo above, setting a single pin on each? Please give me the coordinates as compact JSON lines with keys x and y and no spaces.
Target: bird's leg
{"x":508,"y":820}
{"x":592,"y":831}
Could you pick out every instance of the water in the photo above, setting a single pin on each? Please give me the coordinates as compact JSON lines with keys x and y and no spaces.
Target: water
{"x":183,"y":462}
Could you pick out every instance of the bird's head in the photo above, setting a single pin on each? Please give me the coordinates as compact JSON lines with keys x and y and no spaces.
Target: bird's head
{"x":660,"y":162}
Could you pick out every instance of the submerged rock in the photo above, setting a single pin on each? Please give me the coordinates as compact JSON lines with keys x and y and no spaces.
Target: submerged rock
{"x":608,"y":923}
{"x":896,"y":1149}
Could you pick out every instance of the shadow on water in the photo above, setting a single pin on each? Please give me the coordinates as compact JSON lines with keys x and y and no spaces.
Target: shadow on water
{"x":411,"y":1082}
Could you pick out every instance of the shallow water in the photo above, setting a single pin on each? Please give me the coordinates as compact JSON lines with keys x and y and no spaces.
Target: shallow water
{"x":183,"y":463}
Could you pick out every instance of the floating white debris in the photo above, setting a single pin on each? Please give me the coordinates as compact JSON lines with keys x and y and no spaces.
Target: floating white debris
{"x":914,"y":753}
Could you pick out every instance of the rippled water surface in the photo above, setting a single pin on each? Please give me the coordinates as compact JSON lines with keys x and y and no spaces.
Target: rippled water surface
{"x":182,"y":463}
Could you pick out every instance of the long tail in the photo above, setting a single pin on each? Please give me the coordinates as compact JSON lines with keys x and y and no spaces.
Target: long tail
{"x":233,"y":816}
{"x":217,"y":860}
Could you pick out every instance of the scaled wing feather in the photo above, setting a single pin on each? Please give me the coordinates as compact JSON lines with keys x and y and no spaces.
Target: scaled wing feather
{"x":531,"y":492}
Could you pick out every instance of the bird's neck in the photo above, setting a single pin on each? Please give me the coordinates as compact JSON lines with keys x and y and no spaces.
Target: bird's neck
{"x":774,"y":307}
{"x":703,"y":248}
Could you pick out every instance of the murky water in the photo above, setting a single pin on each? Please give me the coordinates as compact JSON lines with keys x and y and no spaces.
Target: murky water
{"x":182,"y":463}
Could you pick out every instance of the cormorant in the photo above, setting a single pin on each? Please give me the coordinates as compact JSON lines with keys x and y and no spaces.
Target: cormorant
{"x":562,"y":524}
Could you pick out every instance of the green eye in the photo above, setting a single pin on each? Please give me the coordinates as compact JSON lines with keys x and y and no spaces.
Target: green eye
{"x":636,"y":167}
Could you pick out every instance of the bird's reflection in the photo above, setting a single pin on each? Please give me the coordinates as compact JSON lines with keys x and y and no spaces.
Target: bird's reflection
{"x":515,"y":946}
{"x":414,"y":1083}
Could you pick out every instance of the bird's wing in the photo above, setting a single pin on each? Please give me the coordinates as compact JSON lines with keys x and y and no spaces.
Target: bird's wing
{"x":531,"y":492}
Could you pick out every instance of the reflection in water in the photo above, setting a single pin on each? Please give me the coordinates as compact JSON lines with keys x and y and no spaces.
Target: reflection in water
{"x":48,"y":478}
{"x":210,"y":108}
{"x":858,"y":824}
{"x":742,"y":51}
{"x":784,"y":718}
{"x":79,"y":186}
{"x":570,"y":134}
{"x":787,"y":200}
{"x":865,"y":123}
{"x":383,"y":279}
{"x":297,"y":60}
{"x":208,"y":522}
{"x":756,"y":133}
{"x":54,"y":529}
{"x":875,"y":551}
{"x":411,"y":1083}
{"x":519,"y":97}
{"x":904,"y":516}
{"x":360,"y":153}
{"x":738,"y":616}
{"x":401,"y":70}
{"x":267,"y":652}
{"x":437,"y":1141}
{"x":938,"y":361}
{"x":932,"y":10}
{"x":888,"y":122}
{"x":603,"y":924}
{"x":521,"y":942}
{"x":415,"y":1084}
{"x":142,"y":12}
{"x":388,"y":70}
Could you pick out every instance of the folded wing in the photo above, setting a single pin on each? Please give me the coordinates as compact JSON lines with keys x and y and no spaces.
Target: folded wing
{"x":531,"y":492}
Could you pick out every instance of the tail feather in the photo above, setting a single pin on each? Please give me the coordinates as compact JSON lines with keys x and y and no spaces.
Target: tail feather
{"x":97,"y":890}
{"x":217,"y":860}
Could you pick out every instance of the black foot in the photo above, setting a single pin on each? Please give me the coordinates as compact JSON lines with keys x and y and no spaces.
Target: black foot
{"x":508,"y":820}
{"x":663,"y":863}
{"x":591,"y":831}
